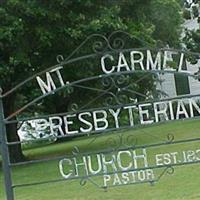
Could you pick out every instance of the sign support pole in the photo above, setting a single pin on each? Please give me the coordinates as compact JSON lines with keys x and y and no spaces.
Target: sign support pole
{"x":5,"y":154}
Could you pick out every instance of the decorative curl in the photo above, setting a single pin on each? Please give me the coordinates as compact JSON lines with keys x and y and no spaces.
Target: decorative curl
{"x":131,"y":141}
{"x":108,"y":101}
{"x":75,"y":151}
{"x":112,"y":142}
{"x":123,"y":80}
{"x":107,"y":82}
{"x":122,"y":97}
{"x":111,"y":99}
{"x":99,"y":47}
{"x":116,"y":41}
{"x":83,"y":181}
{"x":170,"y":138}
{"x":170,"y":170}
{"x":74,"y":107}
{"x":60,"y":58}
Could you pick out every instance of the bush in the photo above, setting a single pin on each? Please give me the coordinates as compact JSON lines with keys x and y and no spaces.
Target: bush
{"x":186,"y":14}
{"x":195,"y":11}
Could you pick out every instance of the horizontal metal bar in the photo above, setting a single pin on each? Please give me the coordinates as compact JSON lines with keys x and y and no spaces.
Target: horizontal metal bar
{"x":134,"y":183}
{"x":7,"y":121}
{"x":75,"y":178}
{"x":44,"y":71}
{"x":104,"y":132}
{"x":91,"y":78}
{"x":107,"y":151}
{"x":102,"y":174}
{"x":85,"y":80}
{"x":37,"y":183}
{"x":36,"y":161}
{"x":91,"y":56}
{"x":68,"y":136}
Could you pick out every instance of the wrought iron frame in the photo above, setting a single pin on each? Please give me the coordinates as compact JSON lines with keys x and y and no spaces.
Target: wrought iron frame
{"x":100,"y":47}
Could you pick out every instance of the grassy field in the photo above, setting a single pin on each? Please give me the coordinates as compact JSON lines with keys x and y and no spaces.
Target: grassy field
{"x":182,"y":185}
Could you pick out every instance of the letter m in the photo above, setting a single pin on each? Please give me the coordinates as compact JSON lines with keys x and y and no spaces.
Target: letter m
{"x":48,"y":86}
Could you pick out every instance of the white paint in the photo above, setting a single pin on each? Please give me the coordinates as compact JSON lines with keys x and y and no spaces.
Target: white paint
{"x":122,"y":63}
{"x":181,"y":110}
{"x":160,"y":108}
{"x":106,"y":163}
{"x":144,"y":114}
{"x":193,"y":104}
{"x":171,"y":110}
{"x":130,"y":112}
{"x":119,"y":160}
{"x":101,"y":120}
{"x":41,"y":124}
{"x":153,"y":65}
{"x":125,"y":178}
{"x":57,"y":126}
{"x":142,"y":157}
{"x":89,"y":124}
{"x":81,"y":165}
{"x":99,"y":165}
{"x":170,"y":158}
{"x":106,"y":178}
{"x":115,"y":114}
{"x":46,"y":87}
{"x":69,"y":122}
{"x":181,"y":63}
{"x":57,"y":70}
{"x":49,"y":85}
{"x":117,"y":180}
{"x":138,"y":61}
{"x":103,"y":66}
{"x":65,"y":161}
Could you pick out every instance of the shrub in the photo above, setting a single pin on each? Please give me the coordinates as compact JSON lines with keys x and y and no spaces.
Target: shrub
{"x":195,"y":11}
{"x":186,"y":14}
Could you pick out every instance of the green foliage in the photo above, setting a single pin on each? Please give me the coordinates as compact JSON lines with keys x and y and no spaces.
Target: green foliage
{"x":31,"y":31}
{"x":166,"y":17}
{"x":195,"y":11}
{"x":34,"y":32}
{"x":186,"y":14}
{"x":192,"y":40}
{"x":163,"y":190}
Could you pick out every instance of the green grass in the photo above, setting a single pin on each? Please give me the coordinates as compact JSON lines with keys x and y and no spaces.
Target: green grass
{"x":182,"y":185}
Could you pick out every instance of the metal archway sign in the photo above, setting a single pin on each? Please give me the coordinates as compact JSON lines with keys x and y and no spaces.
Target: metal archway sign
{"x":116,"y":87}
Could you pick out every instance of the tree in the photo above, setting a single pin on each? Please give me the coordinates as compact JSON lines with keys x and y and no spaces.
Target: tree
{"x":33,"y":32}
{"x":166,"y":17}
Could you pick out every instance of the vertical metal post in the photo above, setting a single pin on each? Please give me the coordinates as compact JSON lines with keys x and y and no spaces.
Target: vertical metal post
{"x":5,"y":154}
